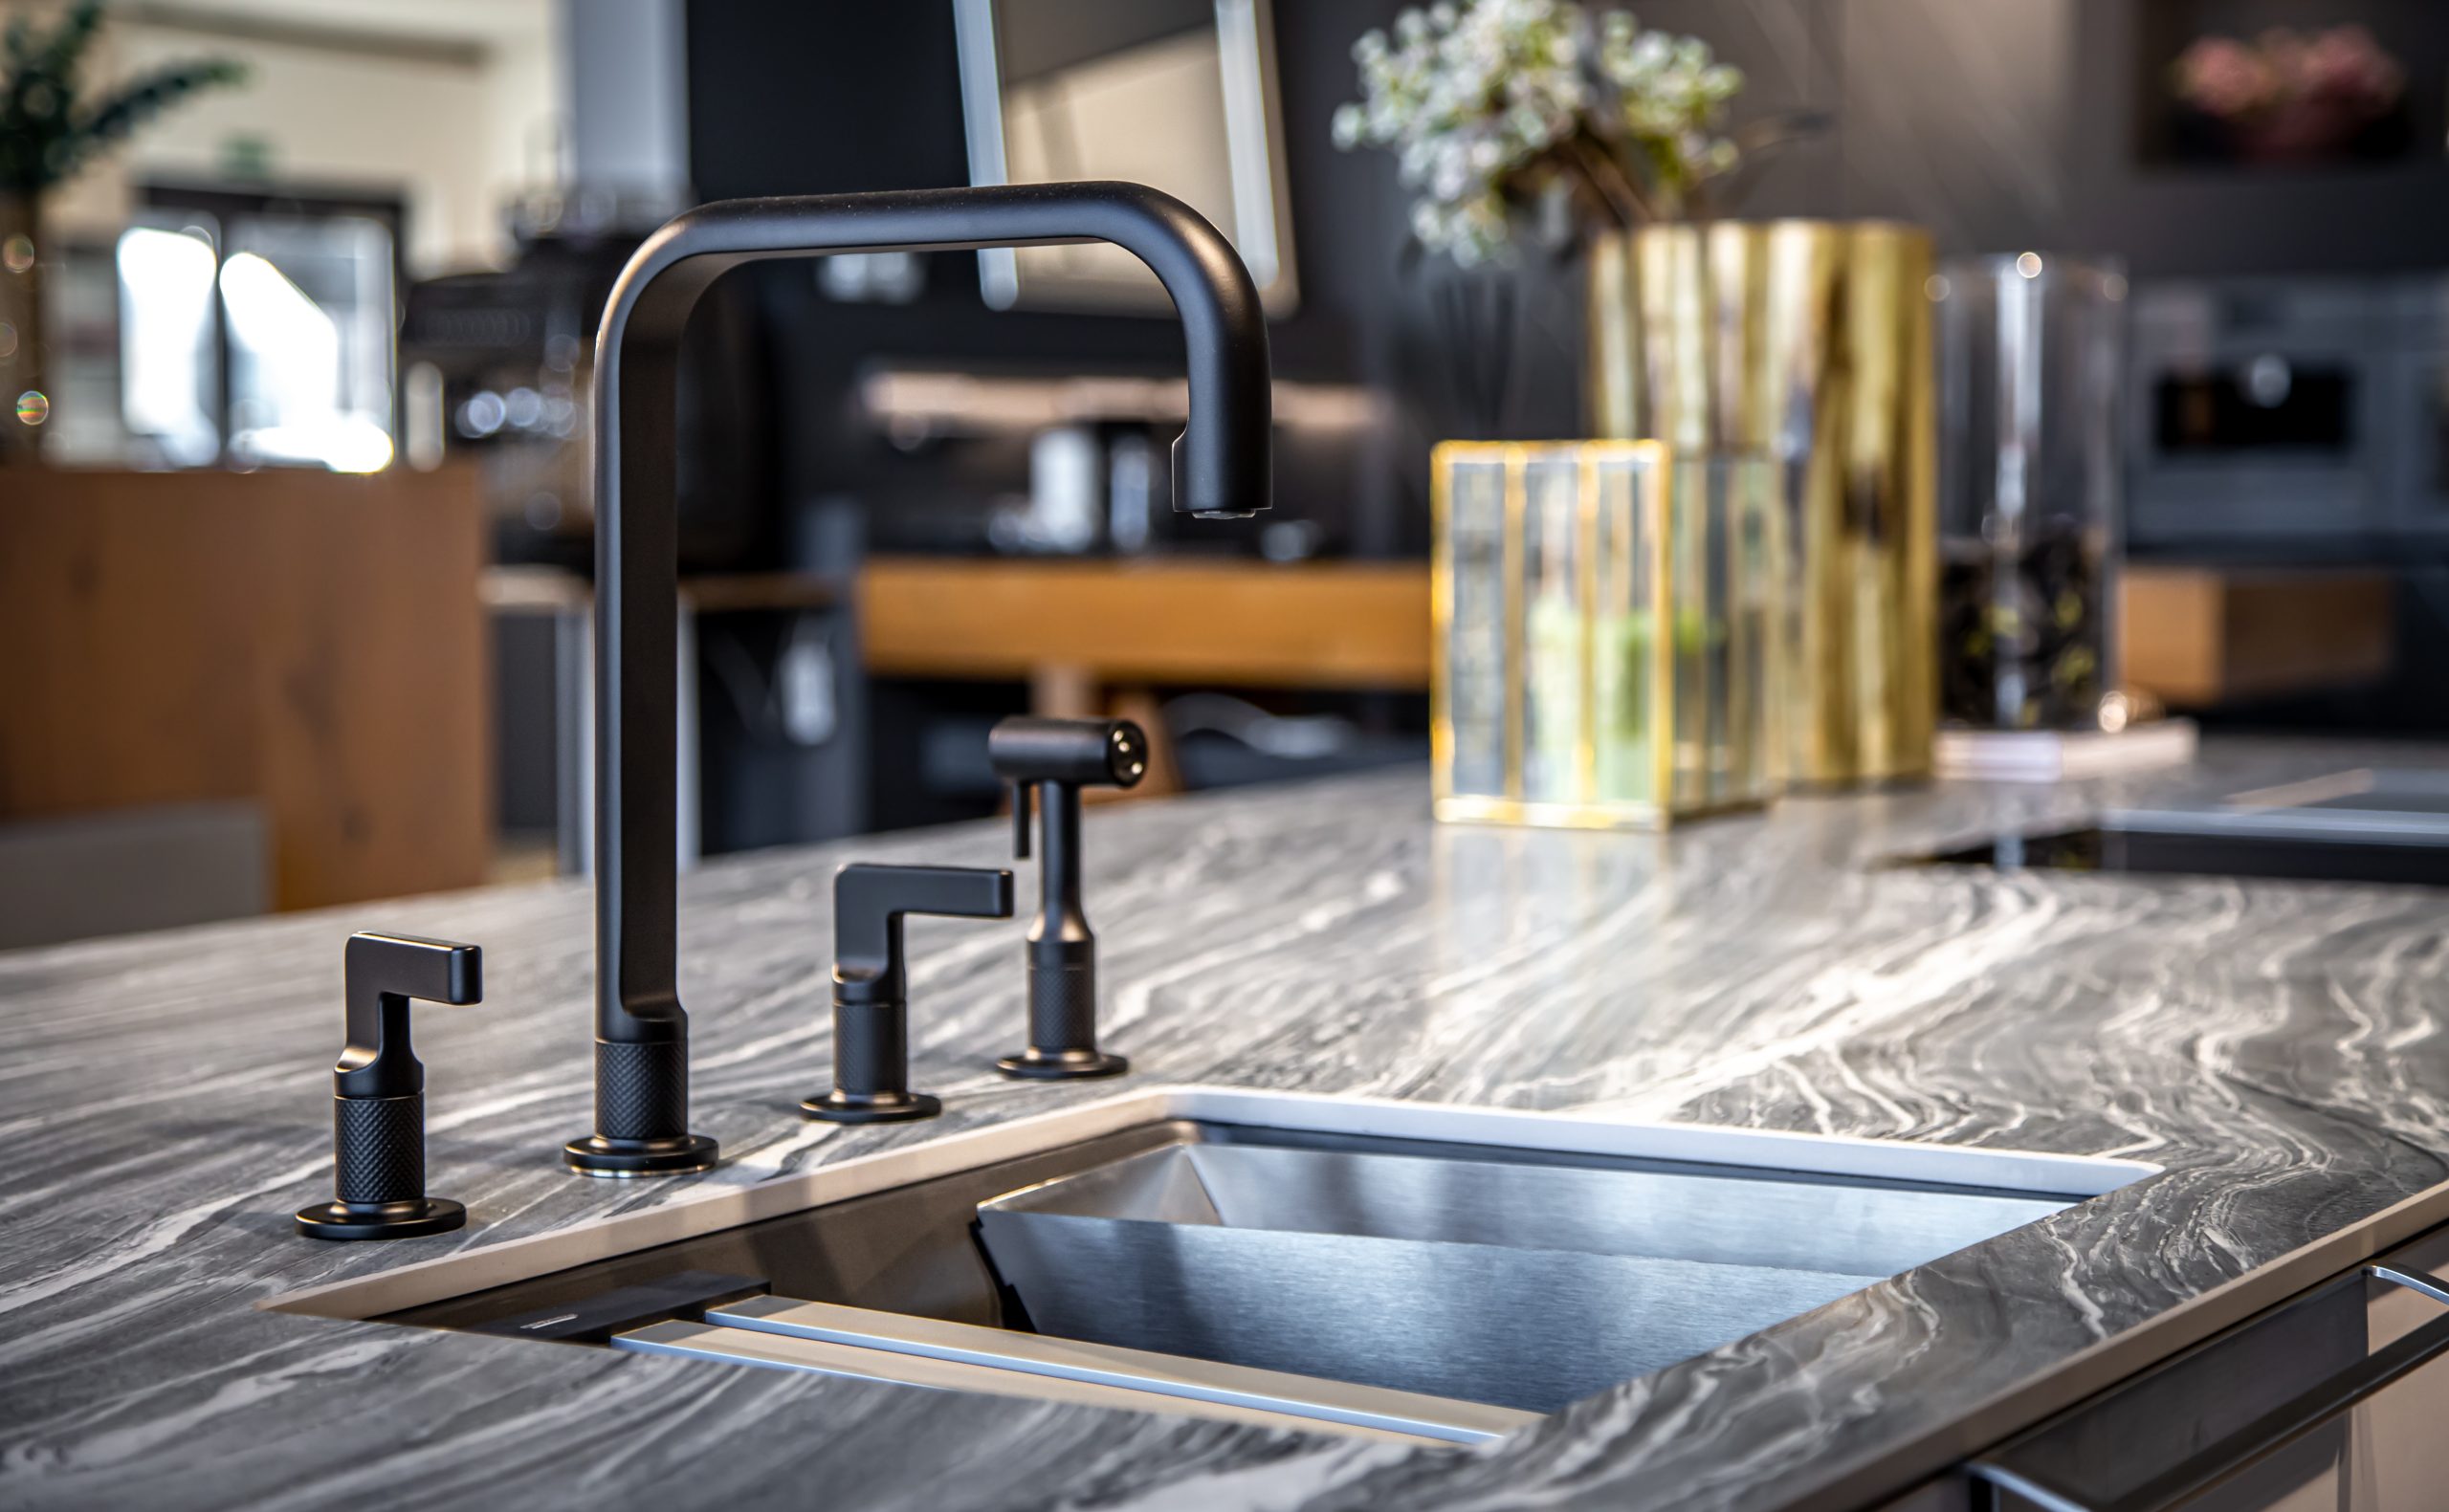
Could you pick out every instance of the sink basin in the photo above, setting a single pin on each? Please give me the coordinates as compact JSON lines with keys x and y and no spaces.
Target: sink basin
{"x":2366,"y":826}
{"x":1369,"y":1267}
{"x":1457,"y":1274}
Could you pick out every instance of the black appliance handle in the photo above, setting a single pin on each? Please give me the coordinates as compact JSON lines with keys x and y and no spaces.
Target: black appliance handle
{"x":2240,"y":1451}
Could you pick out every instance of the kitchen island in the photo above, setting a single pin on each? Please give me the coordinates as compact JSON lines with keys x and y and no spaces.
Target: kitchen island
{"x":2274,"y":1048}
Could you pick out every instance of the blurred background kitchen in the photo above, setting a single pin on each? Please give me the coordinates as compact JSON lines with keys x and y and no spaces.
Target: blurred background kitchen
{"x":295,"y":527}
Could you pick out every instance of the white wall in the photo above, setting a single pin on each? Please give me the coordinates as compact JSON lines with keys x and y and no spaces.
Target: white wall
{"x":458,"y":136}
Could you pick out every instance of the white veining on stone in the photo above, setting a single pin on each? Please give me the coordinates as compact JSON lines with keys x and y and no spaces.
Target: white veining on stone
{"x":2278,"y":1048}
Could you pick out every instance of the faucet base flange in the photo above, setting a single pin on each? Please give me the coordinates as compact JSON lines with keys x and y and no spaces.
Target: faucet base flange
{"x":380,"y":1220}
{"x":838,"y":1107}
{"x":1034,"y":1065}
{"x":674,"y":1156}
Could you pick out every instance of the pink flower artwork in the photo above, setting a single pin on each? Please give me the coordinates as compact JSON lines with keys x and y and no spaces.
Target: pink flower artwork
{"x":2289,"y":94}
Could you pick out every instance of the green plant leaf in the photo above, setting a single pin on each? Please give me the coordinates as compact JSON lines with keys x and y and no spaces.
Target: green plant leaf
{"x":46,"y":133}
{"x":65,"y":54}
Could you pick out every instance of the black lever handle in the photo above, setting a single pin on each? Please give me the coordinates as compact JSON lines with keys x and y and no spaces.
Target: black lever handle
{"x":870,"y":982}
{"x":1055,"y":759}
{"x":378,"y":1091}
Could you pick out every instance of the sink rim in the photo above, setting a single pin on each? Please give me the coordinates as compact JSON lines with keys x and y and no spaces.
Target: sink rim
{"x":750,"y":1191}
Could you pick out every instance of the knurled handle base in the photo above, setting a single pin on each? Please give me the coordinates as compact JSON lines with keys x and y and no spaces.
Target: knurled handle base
{"x":642,"y":1091}
{"x":1061,"y":1065}
{"x":378,"y":1150}
{"x":389,"y":1220}
{"x":1063,"y":1026}
{"x":640,"y":1114}
{"x":377,"y":1175}
{"x":838,"y":1107}
{"x":1063,"y":1005}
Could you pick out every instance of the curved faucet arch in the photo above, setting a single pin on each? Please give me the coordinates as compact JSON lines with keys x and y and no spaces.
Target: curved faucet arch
{"x":1221,"y":469}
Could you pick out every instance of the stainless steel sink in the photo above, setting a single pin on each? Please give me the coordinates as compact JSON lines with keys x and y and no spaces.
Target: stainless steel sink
{"x":2383,"y":824}
{"x":1482,"y":1278}
{"x":1368,"y":1267}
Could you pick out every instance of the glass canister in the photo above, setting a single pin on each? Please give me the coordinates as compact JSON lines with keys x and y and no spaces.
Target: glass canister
{"x":2032,"y":363}
{"x":1606,"y":632}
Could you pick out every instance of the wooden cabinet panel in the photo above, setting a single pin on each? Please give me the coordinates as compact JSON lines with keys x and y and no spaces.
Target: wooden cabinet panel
{"x":311,"y":641}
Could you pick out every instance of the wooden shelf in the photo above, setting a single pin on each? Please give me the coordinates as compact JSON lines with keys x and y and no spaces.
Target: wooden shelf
{"x":1237,"y":624}
{"x":2195,"y":637}
{"x":1097,"y":637}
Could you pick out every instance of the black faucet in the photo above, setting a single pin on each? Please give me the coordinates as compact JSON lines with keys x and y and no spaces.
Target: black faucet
{"x":872,"y":981}
{"x":1054,"y":759}
{"x":378,"y":1090}
{"x":1221,"y":472}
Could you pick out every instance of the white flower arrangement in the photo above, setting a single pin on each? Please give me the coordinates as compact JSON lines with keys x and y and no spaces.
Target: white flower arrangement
{"x":1494,"y":107}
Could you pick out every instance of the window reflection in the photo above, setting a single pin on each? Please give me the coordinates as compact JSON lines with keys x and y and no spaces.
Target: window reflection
{"x":165,"y":342}
{"x":291,"y":363}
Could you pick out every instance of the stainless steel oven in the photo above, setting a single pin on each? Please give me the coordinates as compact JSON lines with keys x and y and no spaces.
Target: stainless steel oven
{"x":2268,"y":411}
{"x":2419,"y":399}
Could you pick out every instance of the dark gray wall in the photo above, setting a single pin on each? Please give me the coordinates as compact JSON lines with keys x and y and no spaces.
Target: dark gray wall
{"x":2002,"y":124}
{"x":2007,"y":125}
{"x":829,"y":97}
{"x":2178,"y":219}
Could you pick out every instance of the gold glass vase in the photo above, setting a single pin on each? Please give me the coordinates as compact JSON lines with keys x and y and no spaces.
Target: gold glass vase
{"x":1606,"y":617}
{"x":1809,"y":343}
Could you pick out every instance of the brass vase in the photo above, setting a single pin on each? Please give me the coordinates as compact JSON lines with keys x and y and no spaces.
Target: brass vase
{"x":1606,"y":618}
{"x":1809,"y":343}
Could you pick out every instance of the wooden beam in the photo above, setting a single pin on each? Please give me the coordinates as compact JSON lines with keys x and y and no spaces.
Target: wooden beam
{"x":1234,"y":624}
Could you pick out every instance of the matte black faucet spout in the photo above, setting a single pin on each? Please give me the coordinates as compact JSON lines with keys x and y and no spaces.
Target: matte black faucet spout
{"x":1221,"y":470}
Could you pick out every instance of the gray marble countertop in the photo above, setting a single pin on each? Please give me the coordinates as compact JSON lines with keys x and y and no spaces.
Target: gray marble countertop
{"x":2275,"y":1047}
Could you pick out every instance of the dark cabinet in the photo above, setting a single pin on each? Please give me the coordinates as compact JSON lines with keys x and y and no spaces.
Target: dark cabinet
{"x":2333,"y":1400}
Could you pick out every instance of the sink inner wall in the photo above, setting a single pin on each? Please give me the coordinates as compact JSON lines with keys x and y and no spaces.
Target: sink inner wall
{"x":1522,"y":1285}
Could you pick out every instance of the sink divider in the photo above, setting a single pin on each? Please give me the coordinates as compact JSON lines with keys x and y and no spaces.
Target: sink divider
{"x":1402,"y":1413}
